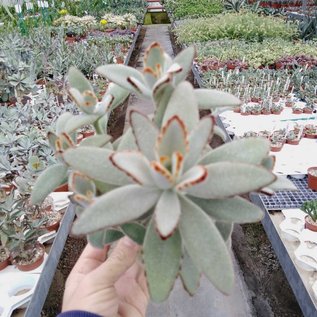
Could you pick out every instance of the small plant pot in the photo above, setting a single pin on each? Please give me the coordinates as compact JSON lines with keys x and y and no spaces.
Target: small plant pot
{"x":276,"y":112}
{"x":245,"y":113}
{"x":310,"y":136}
{"x":54,"y":221}
{"x":297,"y":111}
{"x":25,"y":267}
{"x":310,"y":224}
{"x":312,"y":178}
{"x":266,"y":112}
{"x":5,"y":259}
{"x":289,"y":104}
{"x":293,"y":142}
{"x":276,"y":147}
{"x":308,"y":111}
{"x":237,"y":109}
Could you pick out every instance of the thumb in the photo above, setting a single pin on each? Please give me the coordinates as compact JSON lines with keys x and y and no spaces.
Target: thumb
{"x":120,"y":260}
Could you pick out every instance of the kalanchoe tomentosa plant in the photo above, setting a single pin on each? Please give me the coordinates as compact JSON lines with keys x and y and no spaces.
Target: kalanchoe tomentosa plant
{"x":161,"y":183}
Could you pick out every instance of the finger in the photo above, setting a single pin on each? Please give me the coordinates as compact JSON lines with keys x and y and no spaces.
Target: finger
{"x":122,"y":257}
{"x":126,"y":310}
{"x":89,"y":259}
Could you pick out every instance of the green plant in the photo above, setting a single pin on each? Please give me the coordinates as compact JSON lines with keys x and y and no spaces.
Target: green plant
{"x":180,"y":196}
{"x":193,"y":8}
{"x":308,"y":27}
{"x":310,"y":208}
{"x":246,"y":26}
{"x":234,"y":5}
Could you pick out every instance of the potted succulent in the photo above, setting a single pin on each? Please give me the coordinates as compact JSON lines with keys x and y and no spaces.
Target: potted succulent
{"x":297,"y":109}
{"x":312,"y":178}
{"x":160,"y":183}
{"x":310,"y":131}
{"x":310,"y":208}
{"x":256,"y":109}
{"x":276,"y":108}
{"x":266,"y":107}
{"x":4,"y":257}
{"x":308,"y":109}
{"x":289,"y":101}
{"x":26,"y":253}
{"x":292,"y":137}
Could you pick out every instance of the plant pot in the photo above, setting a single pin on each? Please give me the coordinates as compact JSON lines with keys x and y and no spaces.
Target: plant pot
{"x":70,"y":39}
{"x":245,"y":113}
{"x":309,"y":111}
{"x":312,"y":178}
{"x":62,"y":188}
{"x":293,"y":142}
{"x":289,"y":104}
{"x":297,"y":111}
{"x":53,"y":225}
{"x":310,"y":136}
{"x":4,"y":262}
{"x":25,"y":267}
{"x":276,"y":112}
{"x":276,"y":147}
{"x":236,"y":109}
{"x":310,"y":224}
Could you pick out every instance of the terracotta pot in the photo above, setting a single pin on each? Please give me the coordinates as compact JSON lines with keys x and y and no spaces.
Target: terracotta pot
{"x":310,"y":224}
{"x":276,"y":147}
{"x":245,"y":113}
{"x":310,"y":136}
{"x":292,"y":142}
{"x":62,"y":188}
{"x":306,"y":110}
{"x":236,"y":109}
{"x":312,"y":179}
{"x":276,"y":112}
{"x":70,"y":39}
{"x":54,"y":226}
{"x":297,"y":111}
{"x":289,"y":104}
{"x":266,"y":112}
{"x":35,"y":264}
{"x":5,"y":262}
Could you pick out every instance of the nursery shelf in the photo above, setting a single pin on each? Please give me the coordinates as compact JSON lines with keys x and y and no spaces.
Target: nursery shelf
{"x":300,"y":280}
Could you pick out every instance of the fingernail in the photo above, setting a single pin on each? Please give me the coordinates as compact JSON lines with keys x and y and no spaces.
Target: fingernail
{"x":129,"y":243}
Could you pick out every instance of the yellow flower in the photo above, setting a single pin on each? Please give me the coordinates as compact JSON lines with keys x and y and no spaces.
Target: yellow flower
{"x":63,"y":12}
{"x":103,"y":22}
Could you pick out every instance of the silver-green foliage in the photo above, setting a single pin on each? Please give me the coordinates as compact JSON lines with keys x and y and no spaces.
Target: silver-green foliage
{"x":161,"y":183}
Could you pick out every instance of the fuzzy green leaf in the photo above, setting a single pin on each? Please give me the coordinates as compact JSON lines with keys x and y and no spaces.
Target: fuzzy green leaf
{"x":116,"y":207}
{"x":198,"y":139}
{"x":183,"y":104}
{"x":100,"y":238}
{"x":145,"y":134}
{"x":185,"y":60}
{"x":206,"y":246}
{"x":75,"y":122}
{"x":134,"y":231}
{"x":210,"y":99}
{"x":226,"y":179}
{"x":52,"y":177}
{"x":167,"y":213}
{"x":127,"y":142}
{"x":77,"y":80}
{"x":189,"y":274}
{"x":95,"y":163}
{"x":225,"y":229}
{"x":96,"y":140}
{"x":247,"y":150}
{"x":119,"y":95}
{"x":161,"y":259}
{"x":62,"y":121}
{"x":82,"y":184}
{"x":119,"y":74}
{"x":235,"y":209}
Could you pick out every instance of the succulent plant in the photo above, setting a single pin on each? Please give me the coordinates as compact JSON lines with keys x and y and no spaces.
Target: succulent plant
{"x":310,"y":208}
{"x":161,"y":183}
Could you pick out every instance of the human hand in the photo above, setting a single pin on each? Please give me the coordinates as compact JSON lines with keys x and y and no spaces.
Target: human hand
{"x":112,"y":288}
